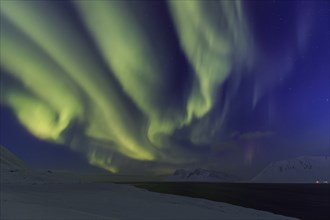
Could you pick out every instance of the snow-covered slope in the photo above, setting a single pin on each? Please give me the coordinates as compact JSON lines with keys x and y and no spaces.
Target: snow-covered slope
{"x":301,"y":169}
{"x":9,"y":162}
{"x":13,"y":169}
{"x":16,"y":171}
{"x":200,"y":175}
{"x":113,"y":201}
{"x":76,"y":200}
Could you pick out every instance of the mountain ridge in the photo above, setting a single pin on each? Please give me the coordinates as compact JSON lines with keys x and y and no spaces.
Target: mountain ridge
{"x":200,"y":175}
{"x":300,"y":169}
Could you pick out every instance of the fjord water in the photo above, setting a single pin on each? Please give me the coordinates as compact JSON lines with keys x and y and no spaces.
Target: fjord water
{"x":301,"y":200}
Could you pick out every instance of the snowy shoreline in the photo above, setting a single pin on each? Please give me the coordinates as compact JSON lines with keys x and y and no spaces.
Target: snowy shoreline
{"x":47,"y":195}
{"x":112,"y":201}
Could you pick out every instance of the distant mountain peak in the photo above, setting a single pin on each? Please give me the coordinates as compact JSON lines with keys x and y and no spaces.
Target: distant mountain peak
{"x":300,"y":169}
{"x":10,"y":161}
{"x":200,"y":174}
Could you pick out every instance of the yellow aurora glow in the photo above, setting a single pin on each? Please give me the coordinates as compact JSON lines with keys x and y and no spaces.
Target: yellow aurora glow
{"x":121,"y":104}
{"x":213,"y":35}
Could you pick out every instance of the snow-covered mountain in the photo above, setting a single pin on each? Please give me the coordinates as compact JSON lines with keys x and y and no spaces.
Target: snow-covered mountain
{"x":9,"y":161}
{"x":200,"y":175}
{"x":15,"y":171}
{"x":301,"y":169}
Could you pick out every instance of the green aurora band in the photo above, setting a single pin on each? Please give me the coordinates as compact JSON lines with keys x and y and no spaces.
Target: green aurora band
{"x":114,"y":100}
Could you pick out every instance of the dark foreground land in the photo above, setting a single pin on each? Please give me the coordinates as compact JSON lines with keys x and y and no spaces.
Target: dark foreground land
{"x":303,"y":201}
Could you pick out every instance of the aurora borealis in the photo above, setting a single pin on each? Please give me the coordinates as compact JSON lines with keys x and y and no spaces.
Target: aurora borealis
{"x":153,"y":86}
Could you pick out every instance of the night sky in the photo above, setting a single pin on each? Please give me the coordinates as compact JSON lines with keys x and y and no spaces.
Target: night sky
{"x":142,"y":87}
